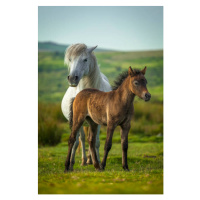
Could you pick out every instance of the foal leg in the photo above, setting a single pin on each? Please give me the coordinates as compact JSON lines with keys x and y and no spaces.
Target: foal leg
{"x":75,"y":146}
{"x":97,"y":145}
{"x":92,"y":138}
{"x":108,"y":145}
{"x":124,"y":142}
{"x":71,"y":142}
{"x":82,"y":137}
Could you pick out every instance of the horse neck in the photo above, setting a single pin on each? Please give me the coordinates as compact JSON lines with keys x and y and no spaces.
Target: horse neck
{"x":124,"y":94}
{"x":93,"y":79}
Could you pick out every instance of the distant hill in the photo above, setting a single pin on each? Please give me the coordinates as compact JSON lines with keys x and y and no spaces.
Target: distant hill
{"x":54,"y":47}
{"x":51,"y":46}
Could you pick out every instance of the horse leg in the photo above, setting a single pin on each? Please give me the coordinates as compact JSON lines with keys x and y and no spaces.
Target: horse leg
{"x":92,"y":138}
{"x":82,"y":137}
{"x":75,"y":146}
{"x":124,"y":142}
{"x":108,"y":145}
{"x":97,"y":143}
{"x":89,"y":158}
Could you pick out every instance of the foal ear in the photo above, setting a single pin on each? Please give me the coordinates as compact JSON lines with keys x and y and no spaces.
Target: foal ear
{"x":130,"y":71}
{"x":144,"y":70}
{"x":91,"y":49}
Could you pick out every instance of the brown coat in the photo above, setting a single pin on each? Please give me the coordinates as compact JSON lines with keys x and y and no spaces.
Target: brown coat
{"x":108,"y":108}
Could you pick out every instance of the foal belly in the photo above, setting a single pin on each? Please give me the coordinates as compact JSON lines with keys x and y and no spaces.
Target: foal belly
{"x":98,"y":115}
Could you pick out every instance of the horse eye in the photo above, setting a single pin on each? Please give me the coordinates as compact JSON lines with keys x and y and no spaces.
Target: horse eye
{"x":85,"y":60}
{"x":70,"y":59}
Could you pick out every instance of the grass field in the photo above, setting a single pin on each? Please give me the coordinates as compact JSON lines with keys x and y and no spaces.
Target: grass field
{"x":145,"y":176}
{"x":145,"y":153}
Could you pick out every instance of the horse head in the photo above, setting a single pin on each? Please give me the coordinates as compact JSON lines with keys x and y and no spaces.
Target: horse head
{"x":78,"y":57}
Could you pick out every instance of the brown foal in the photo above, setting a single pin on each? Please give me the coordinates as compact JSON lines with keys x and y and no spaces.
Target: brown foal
{"x":107,"y":108}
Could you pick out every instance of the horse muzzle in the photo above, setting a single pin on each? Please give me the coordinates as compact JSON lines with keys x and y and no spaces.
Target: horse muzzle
{"x":73,"y":81}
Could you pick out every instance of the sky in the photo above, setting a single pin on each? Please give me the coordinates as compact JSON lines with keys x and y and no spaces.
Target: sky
{"x":123,"y":28}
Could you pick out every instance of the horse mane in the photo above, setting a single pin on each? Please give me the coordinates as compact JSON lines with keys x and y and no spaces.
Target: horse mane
{"x":120,"y":79}
{"x":74,"y":50}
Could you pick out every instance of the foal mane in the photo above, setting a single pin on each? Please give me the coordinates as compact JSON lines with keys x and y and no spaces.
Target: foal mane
{"x":120,"y":79}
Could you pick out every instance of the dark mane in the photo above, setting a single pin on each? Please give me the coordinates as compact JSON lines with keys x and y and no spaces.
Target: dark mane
{"x":120,"y":79}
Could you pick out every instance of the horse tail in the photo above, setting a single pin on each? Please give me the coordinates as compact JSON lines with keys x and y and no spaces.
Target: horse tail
{"x":71,"y":112}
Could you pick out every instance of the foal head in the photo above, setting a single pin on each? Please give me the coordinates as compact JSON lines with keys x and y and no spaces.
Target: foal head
{"x":78,"y":57}
{"x":138,"y":83}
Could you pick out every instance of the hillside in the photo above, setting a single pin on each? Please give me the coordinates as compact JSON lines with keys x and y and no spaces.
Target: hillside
{"x":54,"y":47}
{"x":51,"y":46}
{"x":52,"y":72}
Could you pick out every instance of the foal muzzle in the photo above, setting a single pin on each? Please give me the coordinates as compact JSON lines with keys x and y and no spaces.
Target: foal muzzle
{"x":147,"y":96}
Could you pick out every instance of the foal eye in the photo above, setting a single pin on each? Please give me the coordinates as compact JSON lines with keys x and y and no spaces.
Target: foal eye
{"x":70,"y":59}
{"x":136,"y":83}
{"x":85,"y":60}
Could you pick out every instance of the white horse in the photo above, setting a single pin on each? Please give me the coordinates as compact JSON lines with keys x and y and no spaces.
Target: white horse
{"x":83,"y":73}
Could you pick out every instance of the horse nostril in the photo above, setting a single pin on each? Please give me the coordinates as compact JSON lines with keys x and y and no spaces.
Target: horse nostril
{"x":76,"y":77}
{"x":68,"y":77}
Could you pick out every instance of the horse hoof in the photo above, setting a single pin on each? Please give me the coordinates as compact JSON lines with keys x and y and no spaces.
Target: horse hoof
{"x":83,"y":164}
{"x":89,"y":162}
{"x":126,"y":169}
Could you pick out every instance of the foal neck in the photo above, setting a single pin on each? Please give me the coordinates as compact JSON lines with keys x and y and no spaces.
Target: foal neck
{"x":125,"y":95}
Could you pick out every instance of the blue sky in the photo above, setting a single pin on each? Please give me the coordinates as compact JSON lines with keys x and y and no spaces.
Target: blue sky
{"x":119,"y":28}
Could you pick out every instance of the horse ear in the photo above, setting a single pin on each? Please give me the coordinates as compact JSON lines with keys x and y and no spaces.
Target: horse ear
{"x":91,"y":49}
{"x":130,"y":71}
{"x":144,"y":70}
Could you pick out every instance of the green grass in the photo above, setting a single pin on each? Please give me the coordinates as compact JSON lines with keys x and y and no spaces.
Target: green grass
{"x":145,"y":176}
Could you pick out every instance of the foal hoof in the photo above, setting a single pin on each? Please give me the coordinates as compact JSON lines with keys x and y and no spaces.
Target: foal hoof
{"x":98,"y":169}
{"x":101,"y":167}
{"x":67,"y":171}
{"x":70,"y":169}
{"x":126,"y":169}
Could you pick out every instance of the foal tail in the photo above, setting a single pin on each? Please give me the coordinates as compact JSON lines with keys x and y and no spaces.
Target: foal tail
{"x":71,"y":112}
